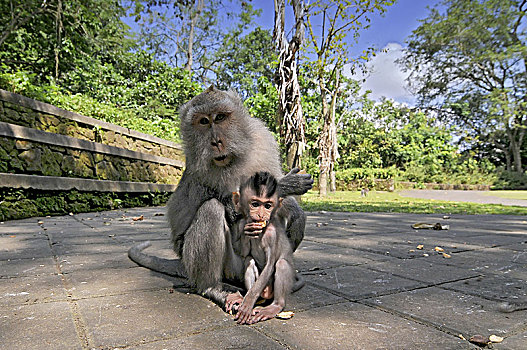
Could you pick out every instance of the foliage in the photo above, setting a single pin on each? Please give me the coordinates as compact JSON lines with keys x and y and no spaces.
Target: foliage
{"x":331,"y":49}
{"x":80,"y":56}
{"x":352,"y":174}
{"x":469,"y":61}
{"x":200,"y":35}
{"x":137,"y":82}
{"x":510,"y":180}
{"x":263,"y":104}
{"x":238,"y":67}
{"x":387,"y":135}
{"x":52,"y":39}
{"x":91,"y":69}
{"x":20,"y":82}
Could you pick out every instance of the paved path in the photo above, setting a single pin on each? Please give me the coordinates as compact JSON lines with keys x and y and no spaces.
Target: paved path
{"x":462,"y":196}
{"x":66,"y":283}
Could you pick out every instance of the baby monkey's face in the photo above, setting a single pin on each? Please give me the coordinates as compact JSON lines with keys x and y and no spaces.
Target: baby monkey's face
{"x":261,"y":208}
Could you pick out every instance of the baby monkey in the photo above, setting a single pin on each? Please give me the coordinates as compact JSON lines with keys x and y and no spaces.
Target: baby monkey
{"x":264,"y":248}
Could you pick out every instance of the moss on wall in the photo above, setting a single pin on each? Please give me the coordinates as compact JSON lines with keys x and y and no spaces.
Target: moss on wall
{"x":23,"y":116}
{"x":19,"y":204}
{"x":27,"y":157}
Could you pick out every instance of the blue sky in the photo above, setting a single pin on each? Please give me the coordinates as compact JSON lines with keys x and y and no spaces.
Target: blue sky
{"x":386,"y":32}
{"x":394,"y":27}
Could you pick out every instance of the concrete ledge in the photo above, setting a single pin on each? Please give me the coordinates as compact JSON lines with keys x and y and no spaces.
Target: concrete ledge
{"x":55,"y":183}
{"x":21,"y":132}
{"x":50,"y":109}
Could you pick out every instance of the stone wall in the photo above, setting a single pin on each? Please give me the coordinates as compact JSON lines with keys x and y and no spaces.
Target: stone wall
{"x":43,"y":147}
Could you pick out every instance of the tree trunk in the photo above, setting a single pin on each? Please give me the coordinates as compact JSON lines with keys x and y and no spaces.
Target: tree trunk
{"x":515,"y":137}
{"x":332,"y":179}
{"x":323,"y":184}
{"x":58,"y":28}
{"x":289,"y":115}
{"x":516,"y":156}
{"x":333,"y":132}
{"x":325,"y":144}
{"x":195,"y":16}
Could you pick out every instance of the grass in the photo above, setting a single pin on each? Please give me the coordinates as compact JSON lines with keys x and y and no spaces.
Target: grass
{"x":508,"y":194}
{"x":393,"y":202}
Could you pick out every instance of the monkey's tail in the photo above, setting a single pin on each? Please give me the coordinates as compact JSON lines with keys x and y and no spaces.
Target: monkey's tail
{"x":299,"y":282}
{"x":171,"y":267}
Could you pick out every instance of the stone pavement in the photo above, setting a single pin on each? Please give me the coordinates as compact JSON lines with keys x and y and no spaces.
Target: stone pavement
{"x":66,"y":283}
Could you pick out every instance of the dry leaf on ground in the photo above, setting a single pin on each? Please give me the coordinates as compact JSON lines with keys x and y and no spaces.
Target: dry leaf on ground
{"x":495,"y":339}
{"x":285,"y":315}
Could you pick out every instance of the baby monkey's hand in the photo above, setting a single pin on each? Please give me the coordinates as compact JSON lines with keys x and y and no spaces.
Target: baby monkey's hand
{"x":254,"y":229}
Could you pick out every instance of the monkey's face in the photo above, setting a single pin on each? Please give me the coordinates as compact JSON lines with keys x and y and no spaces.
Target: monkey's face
{"x":255,"y":208}
{"x":214,"y":130}
{"x":261,"y":208}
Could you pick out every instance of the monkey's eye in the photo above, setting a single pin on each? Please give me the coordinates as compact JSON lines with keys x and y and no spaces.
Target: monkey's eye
{"x":255,"y":204}
{"x":204,"y":121}
{"x":268,"y":206}
{"x":220,"y":117}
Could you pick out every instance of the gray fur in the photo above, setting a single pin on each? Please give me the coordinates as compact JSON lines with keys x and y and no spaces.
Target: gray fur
{"x":197,"y":212}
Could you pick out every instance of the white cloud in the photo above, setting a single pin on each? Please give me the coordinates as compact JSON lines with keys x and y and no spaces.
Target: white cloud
{"x":385,"y":77}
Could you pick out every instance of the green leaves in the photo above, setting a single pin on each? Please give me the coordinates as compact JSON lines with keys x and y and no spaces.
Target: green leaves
{"x":470,"y":62}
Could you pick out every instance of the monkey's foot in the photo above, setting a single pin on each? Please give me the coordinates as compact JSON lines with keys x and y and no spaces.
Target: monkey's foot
{"x":232,"y":302}
{"x":265,"y":313}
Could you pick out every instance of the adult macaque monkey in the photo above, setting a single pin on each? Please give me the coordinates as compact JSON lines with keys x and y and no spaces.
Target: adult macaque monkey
{"x":266,"y":251}
{"x":222,"y":145}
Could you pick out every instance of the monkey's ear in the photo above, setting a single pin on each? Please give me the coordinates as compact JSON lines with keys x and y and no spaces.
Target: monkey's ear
{"x":280,"y":202}
{"x":236,"y":200}
{"x":210,"y":89}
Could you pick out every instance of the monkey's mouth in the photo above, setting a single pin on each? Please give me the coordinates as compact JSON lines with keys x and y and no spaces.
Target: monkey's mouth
{"x":222,"y":160}
{"x":263,"y":223}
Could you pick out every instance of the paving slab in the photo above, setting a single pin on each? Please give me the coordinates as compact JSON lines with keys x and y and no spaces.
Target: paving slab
{"x":487,"y":260}
{"x":354,"y":326}
{"x":516,"y":342}
{"x":31,"y":289}
{"x":424,"y":270}
{"x":136,"y":318}
{"x":114,"y":281}
{"x":68,"y":283}
{"x":311,"y":256}
{"x":27,"y":267}
{"x":90,"y":262}
{"x":38,"y":326}
{"x":229,"y":337}
{"x":455,"y":312}
{"x":356,"y":282}
{"x":493,"y":287}
{"x":15,"y":246}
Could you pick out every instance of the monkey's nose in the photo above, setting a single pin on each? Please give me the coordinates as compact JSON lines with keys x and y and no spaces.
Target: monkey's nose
{"x":217,"y":143}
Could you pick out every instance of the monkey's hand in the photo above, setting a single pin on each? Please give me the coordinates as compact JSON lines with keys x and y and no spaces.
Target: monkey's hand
{"x":245,"y":313}
{"x":232,"y":302}
{"x":253,"y":229}
{"x":294,"y":183}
